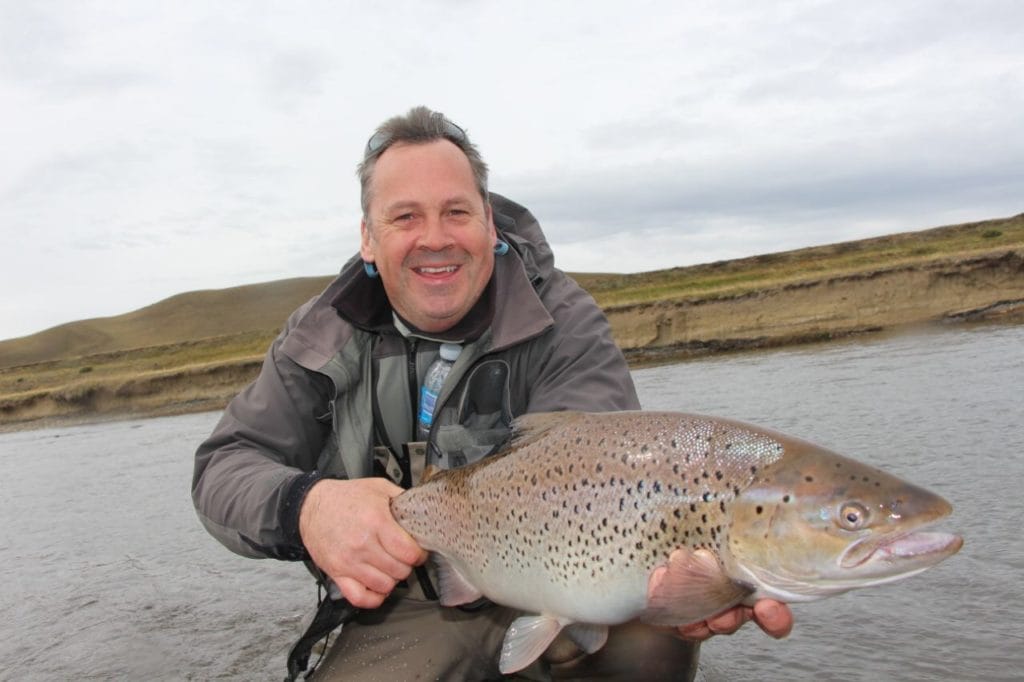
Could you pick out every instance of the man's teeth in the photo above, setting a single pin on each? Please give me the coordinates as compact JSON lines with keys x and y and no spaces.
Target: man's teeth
{"x":437,"y":271}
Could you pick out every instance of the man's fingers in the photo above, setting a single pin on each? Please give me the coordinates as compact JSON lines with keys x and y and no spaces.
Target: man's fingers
{"x":773,"y":617}
{"x":358,"y":594}
{"x":730,"y":621}
{"x":401,"y":546}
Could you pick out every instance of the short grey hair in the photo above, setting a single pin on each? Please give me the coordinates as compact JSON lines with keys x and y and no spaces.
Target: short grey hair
{"x":419,"y":126}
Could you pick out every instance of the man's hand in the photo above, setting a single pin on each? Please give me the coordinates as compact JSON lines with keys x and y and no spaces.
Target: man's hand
{"x":349,"y":532}
{"x":773,"y":617}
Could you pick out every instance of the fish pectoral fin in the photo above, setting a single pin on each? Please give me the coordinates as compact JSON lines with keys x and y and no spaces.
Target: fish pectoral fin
{"x":587,"y":636}
{"x":453,"y":588}
{"x":525,"y":640}
{"x":690,"y":588}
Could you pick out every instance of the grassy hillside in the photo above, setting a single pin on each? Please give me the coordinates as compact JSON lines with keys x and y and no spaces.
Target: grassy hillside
{"x":758,"y":272}
{"x":193,"y":351}
{"x":263,"y":308}
{"x":183,"y":318}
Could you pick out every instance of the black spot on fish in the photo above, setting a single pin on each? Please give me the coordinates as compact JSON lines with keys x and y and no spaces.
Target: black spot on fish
{"x":786,"y":498}
{"x":809,"y":479}
{"x":759,"y":509}
{"x":718,"y":475}
{"x":706,"y":497}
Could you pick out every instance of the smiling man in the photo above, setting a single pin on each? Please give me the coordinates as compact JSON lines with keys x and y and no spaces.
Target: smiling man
{"x":304,"y":462}
{"x":429,"y":232}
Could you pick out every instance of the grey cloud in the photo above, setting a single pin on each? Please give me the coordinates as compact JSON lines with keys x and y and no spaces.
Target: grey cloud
{"x":686,"y":198}
{"x":297,"y":72}
{"x":41,"y":51}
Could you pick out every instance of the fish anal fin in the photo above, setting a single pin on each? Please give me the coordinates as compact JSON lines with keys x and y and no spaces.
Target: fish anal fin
{"x":453,"y":588}
{"x":525,"y":640}
{"x":587,"y":636}
{"x":690,"y":588}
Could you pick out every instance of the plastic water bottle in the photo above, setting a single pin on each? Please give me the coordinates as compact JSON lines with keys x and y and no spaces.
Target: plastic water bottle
{"x":432,"y":385}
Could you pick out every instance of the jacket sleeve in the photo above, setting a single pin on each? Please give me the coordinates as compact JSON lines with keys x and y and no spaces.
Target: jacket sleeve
{"x":581,"y":367}
{"x":252,"y":473}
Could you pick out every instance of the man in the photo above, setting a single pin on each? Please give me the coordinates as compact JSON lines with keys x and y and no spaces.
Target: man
{"x":289,"y":472}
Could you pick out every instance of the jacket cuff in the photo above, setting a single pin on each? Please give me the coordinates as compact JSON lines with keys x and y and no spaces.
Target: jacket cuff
{"x":299,"y":486}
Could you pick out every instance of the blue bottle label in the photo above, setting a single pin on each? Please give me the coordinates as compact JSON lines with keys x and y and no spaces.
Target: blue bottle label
{"x":428,"y":399}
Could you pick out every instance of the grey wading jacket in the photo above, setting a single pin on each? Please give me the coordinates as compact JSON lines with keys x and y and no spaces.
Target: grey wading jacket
{"x":340,"y":383}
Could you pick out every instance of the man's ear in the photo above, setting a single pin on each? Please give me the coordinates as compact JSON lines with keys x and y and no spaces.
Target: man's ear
{"x":489,"y":212}
{"x":365,"y":249}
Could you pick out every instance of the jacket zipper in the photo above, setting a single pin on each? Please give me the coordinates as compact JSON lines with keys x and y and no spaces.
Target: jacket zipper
{"x":410,"y":365}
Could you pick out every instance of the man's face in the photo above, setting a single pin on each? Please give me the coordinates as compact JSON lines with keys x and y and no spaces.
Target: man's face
{"x":429,"y":233}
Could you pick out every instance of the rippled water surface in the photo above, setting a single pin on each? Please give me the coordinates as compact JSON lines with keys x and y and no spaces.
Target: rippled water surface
{"x":107,"y":574}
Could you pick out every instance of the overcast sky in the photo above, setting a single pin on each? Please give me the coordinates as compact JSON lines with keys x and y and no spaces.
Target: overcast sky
{"x":151,"y":148}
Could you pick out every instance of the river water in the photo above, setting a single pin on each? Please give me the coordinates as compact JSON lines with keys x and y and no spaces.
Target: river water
{"x":107,"y":574}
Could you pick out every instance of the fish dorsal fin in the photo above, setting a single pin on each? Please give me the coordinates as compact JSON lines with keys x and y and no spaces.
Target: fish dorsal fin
{"x":429,"y":472}
{"x":529,"y":427}
{"x":689,"y":589}
{"x":586,"y":636}
{"x":525,"y":640}
{"x":453,"y":588}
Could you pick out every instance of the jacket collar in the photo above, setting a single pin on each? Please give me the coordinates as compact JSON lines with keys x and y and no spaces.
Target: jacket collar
{"x":509,"y":305}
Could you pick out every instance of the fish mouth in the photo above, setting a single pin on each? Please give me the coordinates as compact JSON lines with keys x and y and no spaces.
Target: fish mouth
{"x":897,"y":554}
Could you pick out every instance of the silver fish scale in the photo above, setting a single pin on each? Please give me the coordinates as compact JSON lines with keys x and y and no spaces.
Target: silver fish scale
{"x":597,"y":499}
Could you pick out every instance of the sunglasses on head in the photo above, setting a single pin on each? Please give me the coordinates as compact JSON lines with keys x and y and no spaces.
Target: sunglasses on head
{"x":381,"y":139}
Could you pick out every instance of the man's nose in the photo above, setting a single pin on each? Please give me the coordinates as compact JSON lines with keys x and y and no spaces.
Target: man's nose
{"x":435,"y":235}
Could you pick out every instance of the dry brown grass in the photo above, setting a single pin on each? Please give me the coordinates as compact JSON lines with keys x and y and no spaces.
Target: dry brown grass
{"x":182,"y":319}
{"x":759,"y":272}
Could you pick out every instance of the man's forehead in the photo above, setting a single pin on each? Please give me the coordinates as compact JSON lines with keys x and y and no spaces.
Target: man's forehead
{"x":421,"y":174}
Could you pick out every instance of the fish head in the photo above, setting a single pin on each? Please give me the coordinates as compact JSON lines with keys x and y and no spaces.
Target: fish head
{"x":816,"y":524}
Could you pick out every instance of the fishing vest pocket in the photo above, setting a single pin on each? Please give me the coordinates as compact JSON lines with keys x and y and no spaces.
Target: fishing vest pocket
{"x":476,"y":420}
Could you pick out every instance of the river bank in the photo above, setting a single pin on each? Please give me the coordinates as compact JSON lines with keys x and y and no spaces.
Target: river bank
{"x":194,"y":351}
{"x":986,"y":287}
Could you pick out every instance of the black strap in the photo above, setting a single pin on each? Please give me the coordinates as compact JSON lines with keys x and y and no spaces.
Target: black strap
{"x":330,"y":614}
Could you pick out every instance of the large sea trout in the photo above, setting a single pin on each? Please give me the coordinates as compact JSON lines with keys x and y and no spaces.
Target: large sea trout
{"x":589,"y":520}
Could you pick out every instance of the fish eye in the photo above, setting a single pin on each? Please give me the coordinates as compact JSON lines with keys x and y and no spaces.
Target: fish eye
{"x":852,"y":516}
